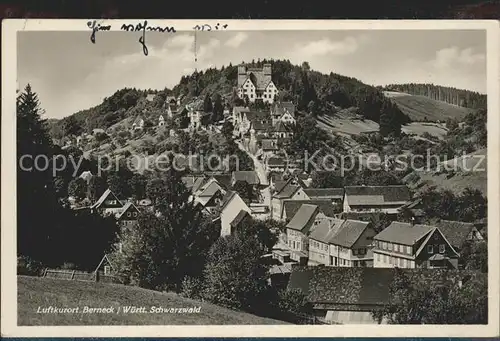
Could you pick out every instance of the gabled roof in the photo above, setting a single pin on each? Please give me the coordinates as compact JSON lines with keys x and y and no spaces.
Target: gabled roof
{"x":125,"y":208}
{"x":326,"y":193}
{"x":224,"y":180}
{"x":107,"y":193}
{"x":249,"y":177}
{"x":194,"y":183}
{"x":349,"y":233}
{"x":279,"y":108}
{"x":276,"y":161}
{"x":303,"y":219}
{"x":289,"y":188}
{"x":403,"y":233}
{"x":326,"y":230}
{"x":257,"y":125}
{"x":256,"y":115}
{"x":455,"y":231}
{"x":281,"y":127}
{"x":228,"y":197}
{"x":290,"y":207}
{"x":287,"y":191}
{"x":242,"y":215}
{"x":257,"y":77}
{"x":377,"y":195}
{"x":210,"y":190}
{"x":428,"y":237}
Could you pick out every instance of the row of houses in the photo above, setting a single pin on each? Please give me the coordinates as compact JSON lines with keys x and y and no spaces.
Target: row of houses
{"x":314,"y":238}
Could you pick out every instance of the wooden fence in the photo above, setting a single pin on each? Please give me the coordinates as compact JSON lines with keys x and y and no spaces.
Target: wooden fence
{"x":80,"y":276}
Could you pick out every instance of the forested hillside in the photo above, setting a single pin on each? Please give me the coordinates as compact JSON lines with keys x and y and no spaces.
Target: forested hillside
{"x":312,"y":91}
{"x":463,"y":98}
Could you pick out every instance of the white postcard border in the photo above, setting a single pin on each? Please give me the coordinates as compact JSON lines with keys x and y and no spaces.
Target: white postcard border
{"x":8,"y":183}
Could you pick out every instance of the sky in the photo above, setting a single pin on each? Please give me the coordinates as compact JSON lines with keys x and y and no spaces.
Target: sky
{"x":69,"y":73}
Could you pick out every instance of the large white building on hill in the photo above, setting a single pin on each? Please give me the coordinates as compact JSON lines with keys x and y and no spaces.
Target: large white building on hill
{"x":256,"y":83}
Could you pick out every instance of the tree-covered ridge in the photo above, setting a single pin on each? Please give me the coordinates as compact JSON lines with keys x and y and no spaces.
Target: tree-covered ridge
{"x":310,"y":90}
{"x":450,"y":95}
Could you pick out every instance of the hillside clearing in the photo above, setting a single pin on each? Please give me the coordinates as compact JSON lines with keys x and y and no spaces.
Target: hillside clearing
{"x":347,"y":126}
{"x":420,"y":108}
{"x":459,"y":180}
{"x":36,"y":292}
{"x":419,"y":128}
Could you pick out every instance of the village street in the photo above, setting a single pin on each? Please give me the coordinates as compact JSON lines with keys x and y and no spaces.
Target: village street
{"x":261,"y":172}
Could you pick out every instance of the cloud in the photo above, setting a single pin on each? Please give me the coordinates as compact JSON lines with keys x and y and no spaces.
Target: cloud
{"x":206,"y":51}
{"x":236,"y":40}
{"x":326,"y":46}
{"x":453,"y":56}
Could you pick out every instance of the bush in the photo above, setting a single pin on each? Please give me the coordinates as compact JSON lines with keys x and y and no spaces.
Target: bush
{"x":29,"y":267}
{"x":192,"y":287}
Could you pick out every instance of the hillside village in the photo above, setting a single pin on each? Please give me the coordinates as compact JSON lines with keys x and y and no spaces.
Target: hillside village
{"x":340,"y":240}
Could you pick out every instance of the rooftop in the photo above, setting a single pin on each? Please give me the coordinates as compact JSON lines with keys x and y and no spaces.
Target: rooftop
{"x":304,"y":217}
{"x":403,"y":233}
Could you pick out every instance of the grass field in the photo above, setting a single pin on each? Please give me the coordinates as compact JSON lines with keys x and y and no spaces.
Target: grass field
{"x":347,"y":126}
{"x":474,"y":178}
{"x":419,"y":107}
{"x":36,"y":292}
{"x":419,"y":128}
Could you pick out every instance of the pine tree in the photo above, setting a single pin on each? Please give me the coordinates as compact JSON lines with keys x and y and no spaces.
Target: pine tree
{"x":36,"y":198}
{"x":207,"y":104}
{"x":218,"y":109}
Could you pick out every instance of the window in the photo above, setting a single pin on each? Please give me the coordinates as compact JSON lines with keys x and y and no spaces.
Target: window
{"x":107,"y":269}
{"x":401,"y":262}
{"x":362,"y":251}
{"x":396,"y":247}
{"x":129,"y":214}
{"x":430,"y":249}
{"x":441,"y":248}
{"x":408,"y":250}
{"x":378,"y":257}
{"x":384,"y":245}
{"x":390,"y":246}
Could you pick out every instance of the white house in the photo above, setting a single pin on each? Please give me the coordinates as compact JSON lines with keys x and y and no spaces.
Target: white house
{"x":138,"y":123}
{"x":283,"y":112}
{"x":256,"y":83}
{"x":231,"y":206}
{"x":161,"y":121}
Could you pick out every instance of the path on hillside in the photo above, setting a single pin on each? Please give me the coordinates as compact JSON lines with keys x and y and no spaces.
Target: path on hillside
{"x":261,"y":172}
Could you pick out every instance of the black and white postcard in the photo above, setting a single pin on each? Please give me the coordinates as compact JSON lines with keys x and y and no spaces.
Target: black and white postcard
{"x":250,"y":178}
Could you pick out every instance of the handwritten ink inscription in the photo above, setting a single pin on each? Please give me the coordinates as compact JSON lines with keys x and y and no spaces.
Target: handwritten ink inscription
{"x":143,"y":26}
{"x":207,"y":27}
{"x":94,"y":26}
